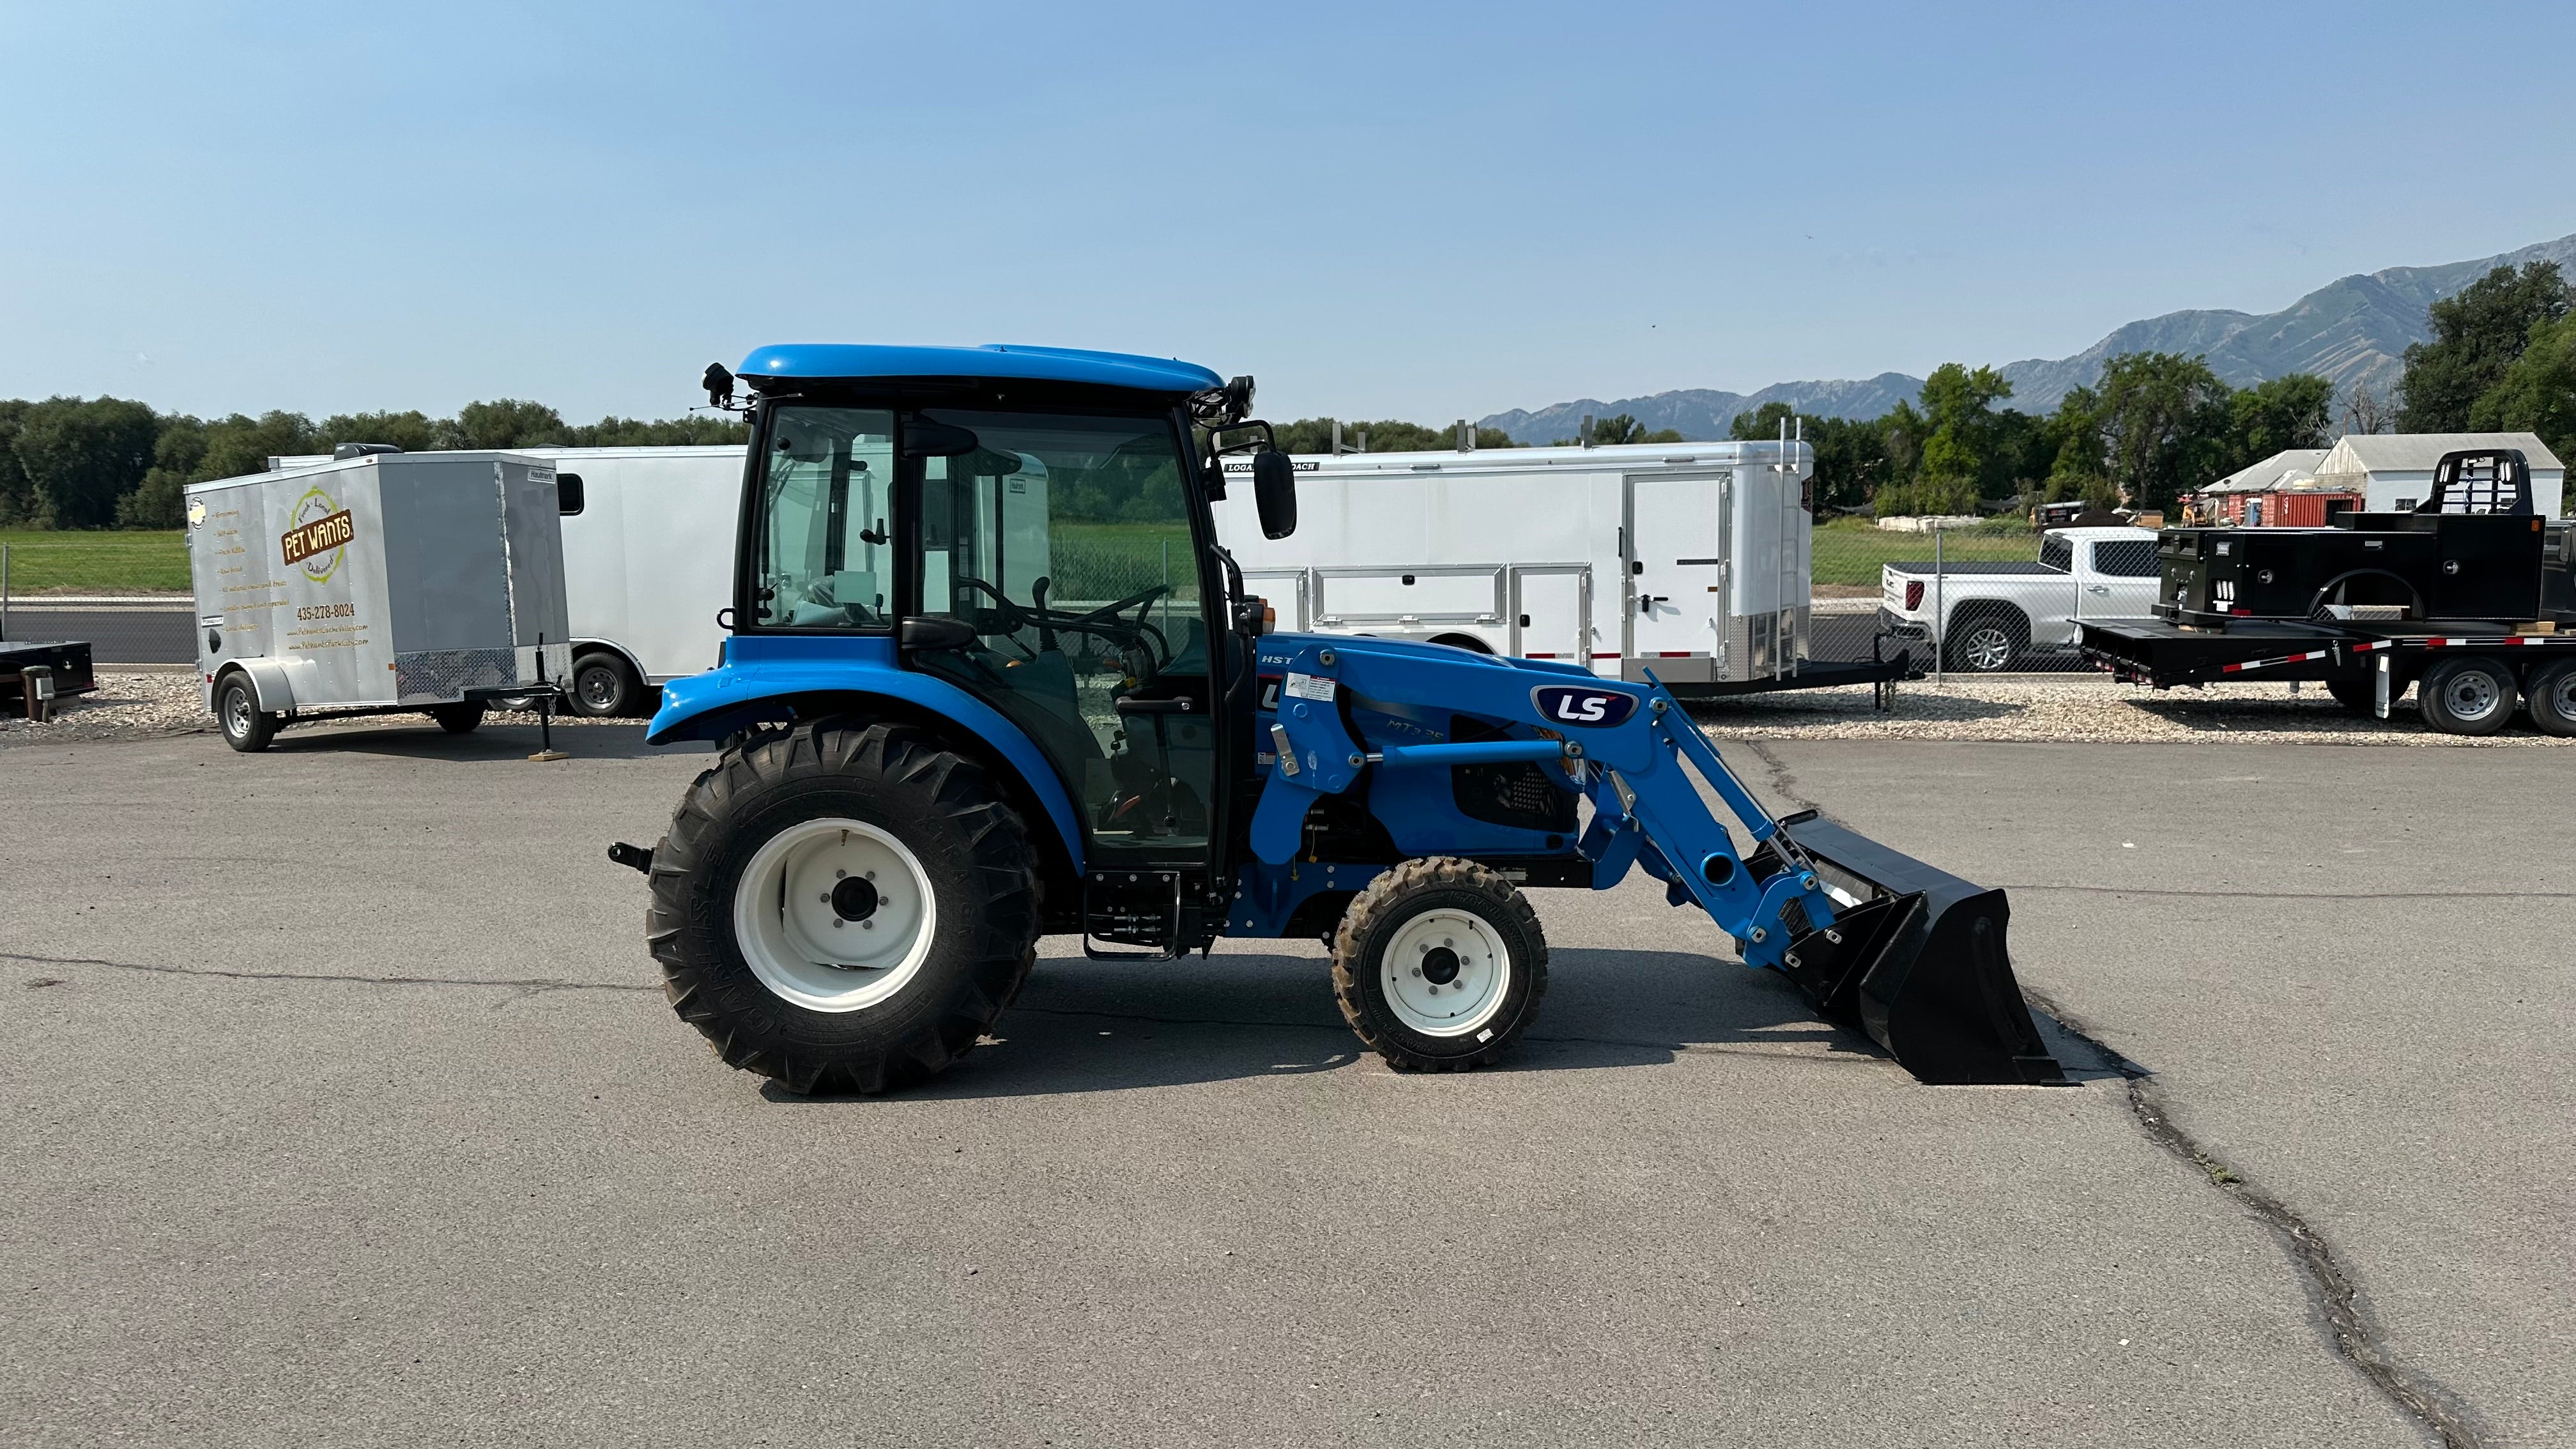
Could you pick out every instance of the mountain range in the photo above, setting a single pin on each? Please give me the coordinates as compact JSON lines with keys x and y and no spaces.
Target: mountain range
{"x":2354,"y":331}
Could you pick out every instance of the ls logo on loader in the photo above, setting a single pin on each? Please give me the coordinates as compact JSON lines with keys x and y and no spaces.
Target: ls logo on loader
{"x":1582,"y":708}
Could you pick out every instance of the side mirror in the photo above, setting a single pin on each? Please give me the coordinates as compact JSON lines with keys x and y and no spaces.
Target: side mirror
{"x":1274,"y":491}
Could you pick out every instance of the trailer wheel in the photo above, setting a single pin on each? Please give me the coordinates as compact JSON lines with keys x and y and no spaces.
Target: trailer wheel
{"x":2552,"y":697}
{"x":602,"y":686}
{"x":1985,"y":641}
{"x":843,"y":908}
{"x":2471,"y":696}
{"x":458,"y":719}
{"x":1439,"y":965}
{"x":237,"y":709}
{"x":2361,"y":696}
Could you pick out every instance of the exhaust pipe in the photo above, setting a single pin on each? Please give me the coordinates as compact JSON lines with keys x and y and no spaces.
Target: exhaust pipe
{"x":1919,"y":964}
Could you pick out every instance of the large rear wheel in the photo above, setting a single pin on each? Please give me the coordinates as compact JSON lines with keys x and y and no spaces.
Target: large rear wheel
{"x":2469,"y":696}
{"x":843,"y":907}
{"x":1439,"y":965}
{"x":2552,"y":697}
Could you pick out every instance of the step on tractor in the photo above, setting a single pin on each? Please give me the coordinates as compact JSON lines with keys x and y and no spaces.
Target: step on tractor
{"x":991,"y":675}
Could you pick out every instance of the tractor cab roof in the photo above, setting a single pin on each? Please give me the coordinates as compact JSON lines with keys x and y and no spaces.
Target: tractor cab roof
{"x":818,"y":361}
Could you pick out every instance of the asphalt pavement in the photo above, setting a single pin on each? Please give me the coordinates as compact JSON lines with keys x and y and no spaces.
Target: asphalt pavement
{"x":345,"y":1108}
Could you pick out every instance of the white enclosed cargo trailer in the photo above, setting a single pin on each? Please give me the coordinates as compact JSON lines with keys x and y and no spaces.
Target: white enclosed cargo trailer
{"x":389,"y":582}
{"x":1690,"y":559}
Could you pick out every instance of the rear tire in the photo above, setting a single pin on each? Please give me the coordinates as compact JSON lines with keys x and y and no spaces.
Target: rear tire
{"x":2552,"y":698}
{"x":457,"y":719}
{"x":237,"y":710}
{"x":1439,"y":965}
{"x":1986,"y":642}
{"x":602,"y":686}
{"x":748,"y":886}
{"x":2470,"y":696}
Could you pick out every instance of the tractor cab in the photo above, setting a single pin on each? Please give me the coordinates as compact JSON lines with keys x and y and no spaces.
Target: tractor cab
{"x":1029,"y":527}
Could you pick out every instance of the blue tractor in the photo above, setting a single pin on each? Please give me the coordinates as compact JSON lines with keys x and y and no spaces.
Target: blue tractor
{"x":991,"y":675}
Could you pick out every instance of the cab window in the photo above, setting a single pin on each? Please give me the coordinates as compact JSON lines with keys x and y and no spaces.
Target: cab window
{"x":824,"y":559}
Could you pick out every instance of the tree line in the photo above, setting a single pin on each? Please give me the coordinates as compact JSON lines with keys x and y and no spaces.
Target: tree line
{"x":109,"y":462}
{"x":2155,"y":426}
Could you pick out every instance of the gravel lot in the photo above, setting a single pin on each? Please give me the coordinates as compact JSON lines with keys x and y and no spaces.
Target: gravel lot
{"x":146,"y":706}
{"x":138,"y":706}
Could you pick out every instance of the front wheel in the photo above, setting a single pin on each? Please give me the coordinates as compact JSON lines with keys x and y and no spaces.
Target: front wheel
{"x":843,"y":908}
{"x":1439,"y":965}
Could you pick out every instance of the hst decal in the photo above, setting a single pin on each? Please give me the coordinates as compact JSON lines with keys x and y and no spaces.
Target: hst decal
{"x":1560,"y":704}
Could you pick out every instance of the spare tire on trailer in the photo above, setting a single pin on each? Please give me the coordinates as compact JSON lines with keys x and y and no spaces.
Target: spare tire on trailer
{"x":843,"y":906}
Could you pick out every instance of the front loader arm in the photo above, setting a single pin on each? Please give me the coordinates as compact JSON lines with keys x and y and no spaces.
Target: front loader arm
{"x":1908,"y":953}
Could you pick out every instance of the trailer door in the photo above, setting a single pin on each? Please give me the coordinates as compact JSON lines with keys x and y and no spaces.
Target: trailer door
{"x":1678,"y":569}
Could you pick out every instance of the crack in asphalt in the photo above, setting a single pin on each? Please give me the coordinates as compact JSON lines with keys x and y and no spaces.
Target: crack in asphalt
{"x":1782,"y":782}
{"x":2357,"y":1338}
{"x":2360,"y":1340}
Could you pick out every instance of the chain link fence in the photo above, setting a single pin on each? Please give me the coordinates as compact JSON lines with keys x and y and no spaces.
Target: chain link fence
{"x":1970,"y":597}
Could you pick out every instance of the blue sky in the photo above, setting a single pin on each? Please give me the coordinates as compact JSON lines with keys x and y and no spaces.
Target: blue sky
{"x":1381,"y":210}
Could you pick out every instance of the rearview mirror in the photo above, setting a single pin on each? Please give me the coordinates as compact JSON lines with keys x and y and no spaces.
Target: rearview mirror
{"x":1274,"y":491}
{"x":925,"y":439}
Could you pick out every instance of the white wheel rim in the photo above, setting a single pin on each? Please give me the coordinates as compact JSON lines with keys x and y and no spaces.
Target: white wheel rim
{"x":814,"y":953}
{"x":1462,"y":947}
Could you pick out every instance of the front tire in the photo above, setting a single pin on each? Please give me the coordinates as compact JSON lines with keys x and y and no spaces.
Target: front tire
{"x":2471,"y":696}
{"x":779,"y":945}
{"x":1439,"y":965}
{"x":237,"y":710}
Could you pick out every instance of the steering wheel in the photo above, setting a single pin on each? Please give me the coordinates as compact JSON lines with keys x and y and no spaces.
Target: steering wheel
{"x":1103,"y":623}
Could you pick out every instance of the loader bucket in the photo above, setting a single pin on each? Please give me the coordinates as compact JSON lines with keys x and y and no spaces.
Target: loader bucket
{"x":1919,"y":966}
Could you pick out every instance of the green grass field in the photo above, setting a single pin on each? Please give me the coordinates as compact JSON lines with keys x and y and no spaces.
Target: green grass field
{"x":44,"y":562}
{"x":1849,"y":552}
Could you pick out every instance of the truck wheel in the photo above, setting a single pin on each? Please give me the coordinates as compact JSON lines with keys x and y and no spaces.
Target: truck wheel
{"x":1984,"y":643}
{"x":602,"y":686}
{"x":2471,"y":696}
{"x":2552,"y":697}
{"x":1439,"y":965}
{"x":2361,"y":696}
{"x":840,"y":907}
{"x":457,"y":719}
{"x":237,"y":709}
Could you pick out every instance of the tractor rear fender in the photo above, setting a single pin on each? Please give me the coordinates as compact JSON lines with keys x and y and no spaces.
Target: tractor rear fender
{"x":760,"y":682}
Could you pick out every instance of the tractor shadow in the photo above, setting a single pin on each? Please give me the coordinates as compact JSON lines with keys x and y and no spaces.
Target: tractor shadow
{"x":400,"y":738}
{"x":1087,"y":1026}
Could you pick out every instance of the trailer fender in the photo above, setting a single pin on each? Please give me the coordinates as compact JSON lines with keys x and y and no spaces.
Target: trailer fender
{"x":713,"y":705}
{"x":270,"y":680}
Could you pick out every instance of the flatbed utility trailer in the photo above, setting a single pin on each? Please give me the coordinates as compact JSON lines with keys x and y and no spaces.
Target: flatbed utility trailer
{"x":2366,"y":665}
{"x":2473,"y":593}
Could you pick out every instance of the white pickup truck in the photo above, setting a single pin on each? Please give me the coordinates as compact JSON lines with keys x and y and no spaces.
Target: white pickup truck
{"x":1992,"y":616}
